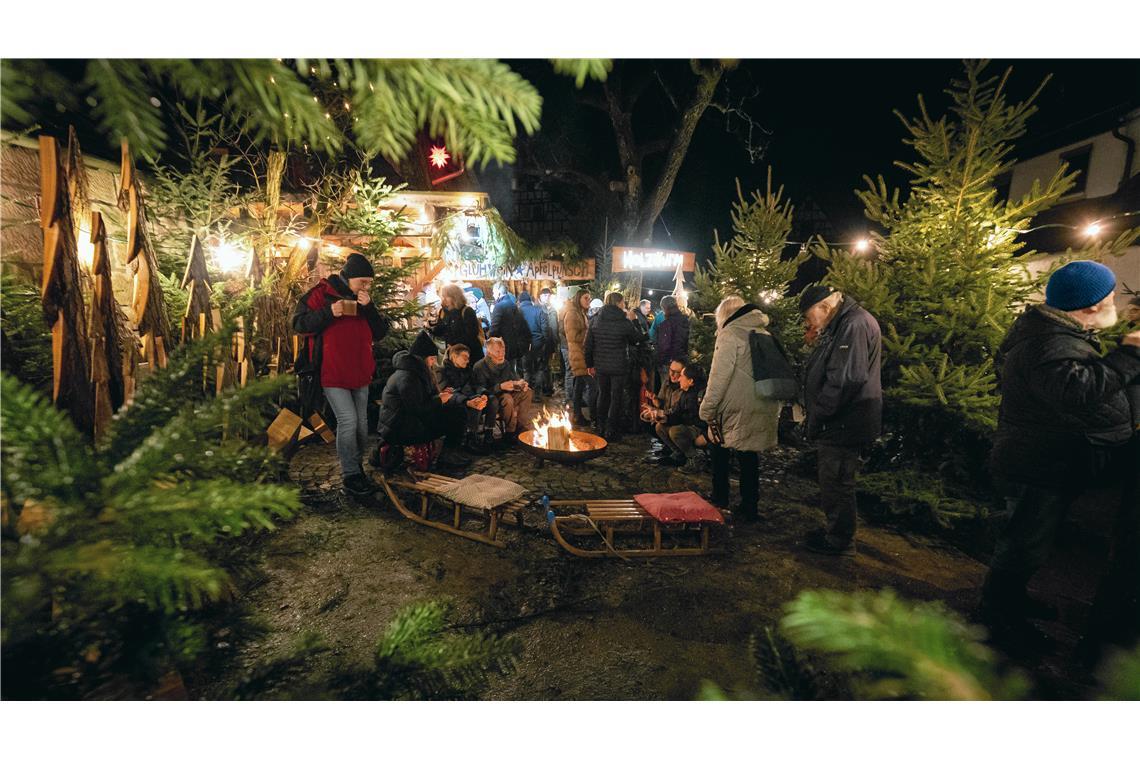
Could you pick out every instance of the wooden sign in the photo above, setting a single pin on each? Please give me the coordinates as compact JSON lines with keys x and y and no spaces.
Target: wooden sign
{"x":628,"y":259}
{"x":549,"y":269}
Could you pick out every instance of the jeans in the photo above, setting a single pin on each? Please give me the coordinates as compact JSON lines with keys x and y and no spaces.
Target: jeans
{"x":350,"y":405}
{"x":609,"y":405}
{"x":749,"y":478}
{"x":568,"y":378}
{"x":838,"y":466}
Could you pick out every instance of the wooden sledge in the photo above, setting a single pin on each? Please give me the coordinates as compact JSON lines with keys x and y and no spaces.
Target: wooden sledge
{"x":609,"y":518}
{"x":429,"y":485}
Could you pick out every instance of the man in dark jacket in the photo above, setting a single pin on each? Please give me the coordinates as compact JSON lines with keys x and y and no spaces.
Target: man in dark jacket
{"x":413,"y":410}
{"x":511,"y":394}
{"x":672,"y":336}
{"x":608,"y":342}
{"x":843,"y":393}
{"x":1064,"y":426}
{"x":507,"y":323}
{"x":533,"y":360}
{"x":553,"y":338}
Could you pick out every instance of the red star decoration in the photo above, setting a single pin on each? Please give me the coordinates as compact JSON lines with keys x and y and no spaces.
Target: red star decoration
{"x":439,"y":156}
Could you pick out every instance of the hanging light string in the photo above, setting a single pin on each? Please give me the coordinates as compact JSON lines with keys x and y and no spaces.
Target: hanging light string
{"x":1092,"y":229}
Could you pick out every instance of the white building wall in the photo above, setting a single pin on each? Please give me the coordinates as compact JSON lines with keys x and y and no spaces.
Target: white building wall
{"x":1106,"y":163}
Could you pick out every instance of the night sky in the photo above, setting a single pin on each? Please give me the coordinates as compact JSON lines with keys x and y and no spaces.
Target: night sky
{"x":829,"y":122}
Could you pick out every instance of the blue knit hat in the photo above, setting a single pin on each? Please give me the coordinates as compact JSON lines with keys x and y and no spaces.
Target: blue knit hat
{"x":1078,"y":285}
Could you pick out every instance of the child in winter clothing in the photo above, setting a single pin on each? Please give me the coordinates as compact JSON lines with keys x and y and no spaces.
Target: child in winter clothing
{"x":682,"y":431}
{"x":456,"y":375}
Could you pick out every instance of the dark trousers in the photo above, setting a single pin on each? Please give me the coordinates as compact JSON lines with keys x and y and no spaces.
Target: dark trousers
{"x":749,"y":477}
{"x":532,"y":370}
{"x":1038,"y":512}
{"x":838,"y":466}
{"x":479,"y":420}
{"x":608,"y":413}
{"x":445,"y":422}
{"x":576,"y":391}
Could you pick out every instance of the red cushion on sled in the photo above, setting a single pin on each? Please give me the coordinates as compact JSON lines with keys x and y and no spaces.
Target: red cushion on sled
{"x":683,"y":507}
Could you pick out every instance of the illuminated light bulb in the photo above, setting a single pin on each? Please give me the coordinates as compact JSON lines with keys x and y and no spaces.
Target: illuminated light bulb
{"x":86,"y":248}
{"x":1093,"y":229}
{"x":651,"y":292}
{"x":229,"y":257}
{"x":862,"y":245}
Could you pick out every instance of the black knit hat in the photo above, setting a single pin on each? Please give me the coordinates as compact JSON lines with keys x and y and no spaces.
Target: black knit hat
{"x":357,"y":266}
{"x":423,"y":346}
{"x":813,"y":294}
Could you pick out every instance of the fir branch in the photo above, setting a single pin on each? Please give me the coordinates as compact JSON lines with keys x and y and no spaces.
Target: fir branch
{"x":899,"y":649}
{"x":582,"y":69}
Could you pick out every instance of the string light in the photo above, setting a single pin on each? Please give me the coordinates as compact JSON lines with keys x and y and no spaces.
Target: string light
{"x":1092,"y":230}
{"x":862,"y":245}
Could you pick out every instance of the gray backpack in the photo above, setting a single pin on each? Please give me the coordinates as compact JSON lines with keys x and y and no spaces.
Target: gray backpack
{"x":772,"y":372}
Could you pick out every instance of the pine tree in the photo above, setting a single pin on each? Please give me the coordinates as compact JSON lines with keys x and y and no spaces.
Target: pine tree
{"x":947,"y":282}
{"x":751,"y":264}
{"x":108,"y":552}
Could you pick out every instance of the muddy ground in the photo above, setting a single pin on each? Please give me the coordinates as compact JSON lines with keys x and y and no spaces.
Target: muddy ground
{"x":589,"y":629}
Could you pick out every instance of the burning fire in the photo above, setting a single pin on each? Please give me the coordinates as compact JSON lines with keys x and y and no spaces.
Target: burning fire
{"x":554,"y":431}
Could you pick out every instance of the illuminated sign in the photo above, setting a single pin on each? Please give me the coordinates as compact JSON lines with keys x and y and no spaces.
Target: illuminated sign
{"x":628,"y":259}
{"x":549,"y":269}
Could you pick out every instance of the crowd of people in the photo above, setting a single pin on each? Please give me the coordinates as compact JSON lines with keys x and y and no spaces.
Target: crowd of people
{"x":1068,"y":421}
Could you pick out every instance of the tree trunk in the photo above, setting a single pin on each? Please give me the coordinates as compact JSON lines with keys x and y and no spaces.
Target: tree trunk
{"x":709,"y":79}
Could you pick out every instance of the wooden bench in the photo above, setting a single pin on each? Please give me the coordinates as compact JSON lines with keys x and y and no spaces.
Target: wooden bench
{"x":610,"y":518}
{"x":429,"y":485}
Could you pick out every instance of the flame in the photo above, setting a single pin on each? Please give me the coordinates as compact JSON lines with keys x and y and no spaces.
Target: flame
{"x":542,"y":425}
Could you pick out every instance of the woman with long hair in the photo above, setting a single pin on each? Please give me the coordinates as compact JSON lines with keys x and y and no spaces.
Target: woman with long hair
{"x":457,"y":322}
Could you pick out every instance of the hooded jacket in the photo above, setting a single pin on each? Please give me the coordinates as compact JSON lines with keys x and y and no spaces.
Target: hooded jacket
{"x":1062,"y":402}
{"x":508,"y":323}
{"x":535,"y":317}
{"x":843,"y":389}
{"x":342,"y":345}
{"x":409,"y":395}
{"x":686,"y":410}
{"x":673,"y":338}
{"x":747,"y":422}
{"x":460,"y":326}
{"x":574,"y":328}
{"x":608,"y":340}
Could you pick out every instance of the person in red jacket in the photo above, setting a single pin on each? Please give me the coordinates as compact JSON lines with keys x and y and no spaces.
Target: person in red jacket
{"x":340,"y":316}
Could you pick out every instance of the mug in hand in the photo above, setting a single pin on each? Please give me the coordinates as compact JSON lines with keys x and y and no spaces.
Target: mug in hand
{"x":349,"y":306}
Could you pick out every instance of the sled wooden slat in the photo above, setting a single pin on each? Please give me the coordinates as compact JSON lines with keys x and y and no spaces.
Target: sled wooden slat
{"x":431,"y":485}
{"x":606,"y":519}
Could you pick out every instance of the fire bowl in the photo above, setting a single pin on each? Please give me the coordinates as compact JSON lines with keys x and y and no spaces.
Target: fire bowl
{"x":588,"y":446}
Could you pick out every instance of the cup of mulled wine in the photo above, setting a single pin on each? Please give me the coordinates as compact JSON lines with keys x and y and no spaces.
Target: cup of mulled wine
{"x":349,"y":306}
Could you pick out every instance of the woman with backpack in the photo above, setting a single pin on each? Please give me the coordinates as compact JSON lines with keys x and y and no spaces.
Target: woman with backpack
{"x":458,"y":323}
{"x":739,"y":420}
{"x":341,"y":323}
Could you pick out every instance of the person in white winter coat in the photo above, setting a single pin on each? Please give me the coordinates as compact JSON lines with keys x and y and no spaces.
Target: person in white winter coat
{"x":746,"y":423}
